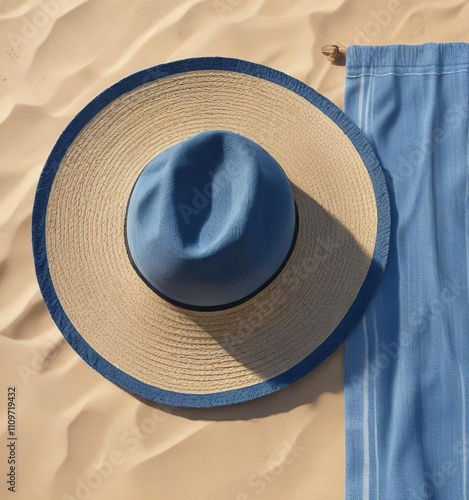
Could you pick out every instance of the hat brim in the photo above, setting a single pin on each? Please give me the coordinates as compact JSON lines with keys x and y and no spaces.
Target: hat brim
{"x":201,"y":359}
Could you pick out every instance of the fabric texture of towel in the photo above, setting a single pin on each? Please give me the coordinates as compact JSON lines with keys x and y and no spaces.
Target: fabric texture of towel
{"x":407,"y":362}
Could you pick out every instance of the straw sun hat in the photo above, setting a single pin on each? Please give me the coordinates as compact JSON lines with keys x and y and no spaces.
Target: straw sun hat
{"x":208,"y":231}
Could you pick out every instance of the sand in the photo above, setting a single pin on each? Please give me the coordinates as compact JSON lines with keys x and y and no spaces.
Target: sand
{"x":80,"y":436}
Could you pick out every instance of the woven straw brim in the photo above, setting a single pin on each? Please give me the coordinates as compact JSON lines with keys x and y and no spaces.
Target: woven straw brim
{"x":207,"y":352}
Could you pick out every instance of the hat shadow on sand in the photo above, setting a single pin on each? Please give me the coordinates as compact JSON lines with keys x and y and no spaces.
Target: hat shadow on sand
{"x":325,"y":378}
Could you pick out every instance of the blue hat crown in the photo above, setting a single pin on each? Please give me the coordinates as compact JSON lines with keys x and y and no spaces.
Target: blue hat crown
{"x":210,"y":221}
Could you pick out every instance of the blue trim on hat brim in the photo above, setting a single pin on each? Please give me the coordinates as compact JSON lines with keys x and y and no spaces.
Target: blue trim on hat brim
{"x":312,"y":360}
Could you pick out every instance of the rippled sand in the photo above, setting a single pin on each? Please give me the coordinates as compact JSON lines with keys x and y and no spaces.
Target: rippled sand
{"x":79,"y":435}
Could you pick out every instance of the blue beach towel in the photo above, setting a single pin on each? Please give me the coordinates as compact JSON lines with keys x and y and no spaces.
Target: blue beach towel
{"x":407,"y":361}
